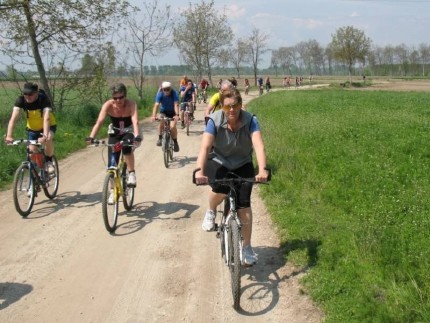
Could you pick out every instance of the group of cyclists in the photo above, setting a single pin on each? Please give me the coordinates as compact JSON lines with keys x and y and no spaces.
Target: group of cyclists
{"x":231,"y":135}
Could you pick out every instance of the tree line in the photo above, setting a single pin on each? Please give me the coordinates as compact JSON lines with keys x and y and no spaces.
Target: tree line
{"x":108,"y":38}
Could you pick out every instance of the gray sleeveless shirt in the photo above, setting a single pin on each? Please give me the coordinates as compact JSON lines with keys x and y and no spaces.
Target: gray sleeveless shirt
{"x":232,"y":149}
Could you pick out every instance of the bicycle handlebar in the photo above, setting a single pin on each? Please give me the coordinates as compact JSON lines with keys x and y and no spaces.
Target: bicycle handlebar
{"x":123,"y":143}
{"x":233,"y":180}
{"x":25,"y":141}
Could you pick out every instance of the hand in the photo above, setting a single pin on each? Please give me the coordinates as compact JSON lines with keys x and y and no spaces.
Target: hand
{"x":200,"y":178}
{"x":8,"y":140}
{"x":42,"y":140}
{"x":262,"y":176}
{"x":153,"y":118}
{"x":137,"y":141}
{"x":89,"y":140}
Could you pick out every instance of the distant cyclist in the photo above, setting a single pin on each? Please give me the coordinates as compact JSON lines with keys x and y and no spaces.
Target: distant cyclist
{"x":41,"y":123}
{"x":203,"y":86}
{"x":124,"y":126}
{"x":188,"y":95}
{"x":168,"y":101}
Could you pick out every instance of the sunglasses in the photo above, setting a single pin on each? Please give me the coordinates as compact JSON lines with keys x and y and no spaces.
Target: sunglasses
{"x":29,"y":94}
{"x":167,"y":89}
{"x":230,"y":106}
{"x":118,"y":98}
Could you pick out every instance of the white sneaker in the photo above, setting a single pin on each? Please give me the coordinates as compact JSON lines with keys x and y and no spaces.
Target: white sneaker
{"x":49,"y":166}
{"x":110,"y":198}
{"x":209,"y":221}
{"x":131,"y":180}
{"x":249,"y":256}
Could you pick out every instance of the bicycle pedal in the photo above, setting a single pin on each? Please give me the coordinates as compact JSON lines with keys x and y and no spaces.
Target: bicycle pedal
{"x":215,"y":228}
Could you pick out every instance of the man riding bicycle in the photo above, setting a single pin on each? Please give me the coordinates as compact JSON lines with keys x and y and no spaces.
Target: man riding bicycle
{"x":41,"y":123}
{"x":124,"y":126}
{"x":188,"y":95}
{"x":168,"y":99}
{"x":203,"y":86}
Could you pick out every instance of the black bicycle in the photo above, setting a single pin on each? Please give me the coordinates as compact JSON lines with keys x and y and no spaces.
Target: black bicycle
{"x":32,"y":176}
{"x":167,"y":144}
{"x":229,"y":230}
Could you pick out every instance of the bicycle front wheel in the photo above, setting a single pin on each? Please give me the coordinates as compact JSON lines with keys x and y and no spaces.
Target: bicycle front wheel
{"x":170,"y":141}
{"x":50,"y":188}
{"x":128,"y":192}
{"x":24,"y":191}
{"x":187,"y":122}
{"x":110,"y":203}
{"x":234,"y":263}
{"x":166,"y":148}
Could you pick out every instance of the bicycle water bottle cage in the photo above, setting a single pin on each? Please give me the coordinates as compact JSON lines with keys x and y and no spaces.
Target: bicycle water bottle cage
{"x":117,"y":147}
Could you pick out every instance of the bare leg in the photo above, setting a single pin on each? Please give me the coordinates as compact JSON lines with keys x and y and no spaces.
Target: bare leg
{"x":129,"y":159}
{"x":49,"y":145}
{"x":215,"y":199}
{"x":245,"y":216}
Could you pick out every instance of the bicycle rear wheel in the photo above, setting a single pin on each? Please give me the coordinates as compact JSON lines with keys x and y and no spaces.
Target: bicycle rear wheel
{"x":128,"y":192}
{"x":50,"y":188}
{"x":170,"y":148}
{"x":24,"y":191}
{"x":234,"y":263}
{"x":110,"y":210}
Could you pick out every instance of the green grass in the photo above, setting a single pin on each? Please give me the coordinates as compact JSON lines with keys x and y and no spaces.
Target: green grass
{"x":350,"y":194}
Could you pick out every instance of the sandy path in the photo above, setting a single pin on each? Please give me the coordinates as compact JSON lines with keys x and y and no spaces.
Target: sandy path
{"x":61,"y":265}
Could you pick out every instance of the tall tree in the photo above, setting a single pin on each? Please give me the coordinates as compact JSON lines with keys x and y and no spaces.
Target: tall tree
{"x":200,"y":34}
{"x":257,"y":43}
{"x":238,"y":55}
{"x":31,"y":26}
{"x":150,"y":31}
{"x":350,"y":45}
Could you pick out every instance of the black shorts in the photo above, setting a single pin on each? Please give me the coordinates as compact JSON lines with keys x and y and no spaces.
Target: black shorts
{"x":214,"y":170}
{"x":168,"y":114}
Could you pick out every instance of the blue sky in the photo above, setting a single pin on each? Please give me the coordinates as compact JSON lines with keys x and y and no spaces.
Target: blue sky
{"x":385,"y":22}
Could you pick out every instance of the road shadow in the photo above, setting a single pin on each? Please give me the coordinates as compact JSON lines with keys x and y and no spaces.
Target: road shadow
{"x":181,"y":161}
{"x":144,"y":213}
{"x":45,"y":207}
{"x":260,"y":283}
{"x":12,"y":292}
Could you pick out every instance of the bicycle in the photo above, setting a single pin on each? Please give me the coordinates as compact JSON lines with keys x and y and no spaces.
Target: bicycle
{"x":167,"y":144}
{"x":200,"y":97}
{"x":261,"y":89}
{"x":32,"y":176}
{"x":115,"y":183}
{"x":229,"y":230}
{"x":188,"y":116}
{"x":246,"y":89}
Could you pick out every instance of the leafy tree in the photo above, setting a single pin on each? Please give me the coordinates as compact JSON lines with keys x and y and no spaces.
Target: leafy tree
{"x":29,"y":27}
{"x":149,"y":35}
{"x":350,"y":45}
{"x":257,"y":43}
{"x":200,"y":34}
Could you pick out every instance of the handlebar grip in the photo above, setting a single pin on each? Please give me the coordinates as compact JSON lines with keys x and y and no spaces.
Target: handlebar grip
{"x":194,"y":175}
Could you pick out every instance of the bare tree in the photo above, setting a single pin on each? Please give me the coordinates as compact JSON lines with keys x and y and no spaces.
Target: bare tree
{"x":200,"y":34}
{"x":149,"y":35}
{"x":238,"y":55}
{"x":257,"y":43}
{"x":424,"y":50}
{"x":350,"y":45}
{"x":29,"y":27}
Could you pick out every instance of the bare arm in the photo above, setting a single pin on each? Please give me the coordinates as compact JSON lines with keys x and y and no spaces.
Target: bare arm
{"x":135,"y":119}
{"x":205,"y":147}
{"x":100,"y":120}
{"x":13,"y":119}
{"x":154,"y":110}
{"x":260,"y":154}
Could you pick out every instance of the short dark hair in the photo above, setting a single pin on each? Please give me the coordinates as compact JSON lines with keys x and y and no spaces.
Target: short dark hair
{"x":231,"y":93}
{"x":30,"y":87}
{"x":119,"y":88}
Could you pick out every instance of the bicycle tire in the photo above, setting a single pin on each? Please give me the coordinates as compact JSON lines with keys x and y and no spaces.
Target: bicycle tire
{"x":199,"y":98}
{"x":235,"y":262}
{"x":222,"y":211}
{"x":24,"y":191}
{"x":50,"y":187}
{"x":170,"y":151}
{"x":166,"y":144}
{"x":127,"y":192}
{"x":110,"y":211}
{"x":187,"y":123}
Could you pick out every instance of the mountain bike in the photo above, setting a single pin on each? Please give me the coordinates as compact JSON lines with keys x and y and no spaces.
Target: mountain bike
{"x":115,"y":183}
{"x":229,"y":230}
{"x":202,"y":96}
{"x":261,"y":89}
{"x":188,"y":116}
{"x":167,"y":144}
{"x":32,"y":176}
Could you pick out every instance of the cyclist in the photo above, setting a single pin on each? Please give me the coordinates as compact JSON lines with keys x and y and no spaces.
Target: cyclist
{"x":246,"y":86}
{"x":124,"y":126}
{"x":204,"y":85}
{"x":233,"y":134}
{"x":268,"y":84}
{"x":260,"y":83}
{"x":168,"y":99}
{"x":214,"y":102}
{"x":188,"y":94}
{"x":41,"y":123}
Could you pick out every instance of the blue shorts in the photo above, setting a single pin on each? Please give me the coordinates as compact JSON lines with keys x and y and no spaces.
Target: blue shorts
{"x":34,"y":135}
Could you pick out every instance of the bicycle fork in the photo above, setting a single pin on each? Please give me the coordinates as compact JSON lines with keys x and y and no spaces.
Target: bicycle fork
{"x":224,"y":232}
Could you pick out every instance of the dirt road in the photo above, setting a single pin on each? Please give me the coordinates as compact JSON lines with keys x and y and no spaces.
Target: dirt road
{"x":61,"y":265}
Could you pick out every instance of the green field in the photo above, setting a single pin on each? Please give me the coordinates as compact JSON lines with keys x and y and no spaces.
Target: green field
{"x":350,"y":196}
